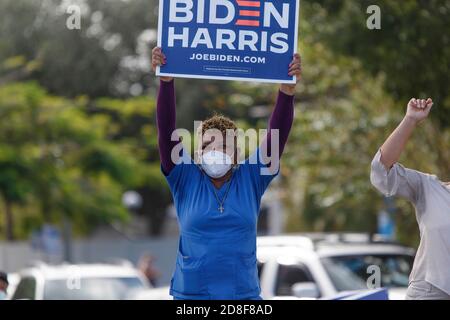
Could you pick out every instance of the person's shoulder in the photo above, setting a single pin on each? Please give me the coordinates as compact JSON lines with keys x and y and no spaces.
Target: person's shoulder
{"x":185,"y":166}
{"x":431,"y":178}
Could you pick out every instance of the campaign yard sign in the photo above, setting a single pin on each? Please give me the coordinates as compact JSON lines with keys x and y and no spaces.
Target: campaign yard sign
{"x":228,"y":39}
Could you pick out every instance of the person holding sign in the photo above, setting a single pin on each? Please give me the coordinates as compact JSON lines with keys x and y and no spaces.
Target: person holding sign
{"x":218,"y":199}
{"x":430,"y":277}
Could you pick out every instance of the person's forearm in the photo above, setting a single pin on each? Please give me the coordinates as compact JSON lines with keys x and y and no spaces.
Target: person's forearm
{"x":395,"y":144}
{"x":166,"y":122}
{"x":281,"y":119}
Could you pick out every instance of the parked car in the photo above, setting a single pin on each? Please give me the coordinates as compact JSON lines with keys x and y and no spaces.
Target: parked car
{"x":324,"y":265}
{"x":79,"y":282}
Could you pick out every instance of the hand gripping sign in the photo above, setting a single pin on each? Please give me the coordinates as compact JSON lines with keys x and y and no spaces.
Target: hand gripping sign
{"x":228,"y":39}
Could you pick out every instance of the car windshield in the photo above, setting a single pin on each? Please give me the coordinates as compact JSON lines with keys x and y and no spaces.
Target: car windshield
{"x":91,"y":288}
{"x":353,"y":272}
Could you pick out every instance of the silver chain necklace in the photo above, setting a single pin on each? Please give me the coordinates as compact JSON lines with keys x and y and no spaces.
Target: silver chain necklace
{"x":221,"y":208}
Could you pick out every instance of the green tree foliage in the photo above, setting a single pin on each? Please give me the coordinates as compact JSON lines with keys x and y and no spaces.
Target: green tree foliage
{"x":131,"y":122}
{"x":411,"y":49}
{"x":107,"y":56}
{"x":55,"y":160}
{"x":356,"y":86}
{"x":343,"y":116}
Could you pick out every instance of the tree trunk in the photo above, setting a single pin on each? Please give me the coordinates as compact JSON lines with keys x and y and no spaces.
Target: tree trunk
{"x":9,"y":221}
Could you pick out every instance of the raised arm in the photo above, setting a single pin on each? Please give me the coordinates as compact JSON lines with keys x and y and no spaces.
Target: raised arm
{"x":390,"y":177}
{"x":283,"y":114}
{"x":417,"y":110}
{"x":165,"y":114}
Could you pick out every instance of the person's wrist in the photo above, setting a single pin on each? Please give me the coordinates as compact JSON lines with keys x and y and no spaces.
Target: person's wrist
{"x":411,"y":120}
{"x":288,"y":89}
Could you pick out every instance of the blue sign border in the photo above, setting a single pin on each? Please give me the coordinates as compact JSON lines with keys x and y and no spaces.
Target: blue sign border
{"x":160,"y":72}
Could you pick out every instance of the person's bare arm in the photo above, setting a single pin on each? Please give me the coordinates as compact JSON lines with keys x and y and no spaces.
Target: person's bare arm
{"x":417,"y":111}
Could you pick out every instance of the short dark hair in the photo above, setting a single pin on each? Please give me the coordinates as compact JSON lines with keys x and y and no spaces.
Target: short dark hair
{"x":219,"y":122}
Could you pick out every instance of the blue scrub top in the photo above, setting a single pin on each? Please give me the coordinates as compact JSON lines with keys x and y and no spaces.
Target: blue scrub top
{"x":216,"y":256}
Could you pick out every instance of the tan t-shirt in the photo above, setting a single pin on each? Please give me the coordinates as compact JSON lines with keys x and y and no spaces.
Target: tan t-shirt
{"x":431,"y":199}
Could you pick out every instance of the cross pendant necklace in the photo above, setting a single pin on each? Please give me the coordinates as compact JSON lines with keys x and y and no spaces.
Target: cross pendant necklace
{"x":221,"y":207}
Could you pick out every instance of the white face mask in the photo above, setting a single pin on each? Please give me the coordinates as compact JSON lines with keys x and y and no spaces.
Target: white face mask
{"x":216,"y":164}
